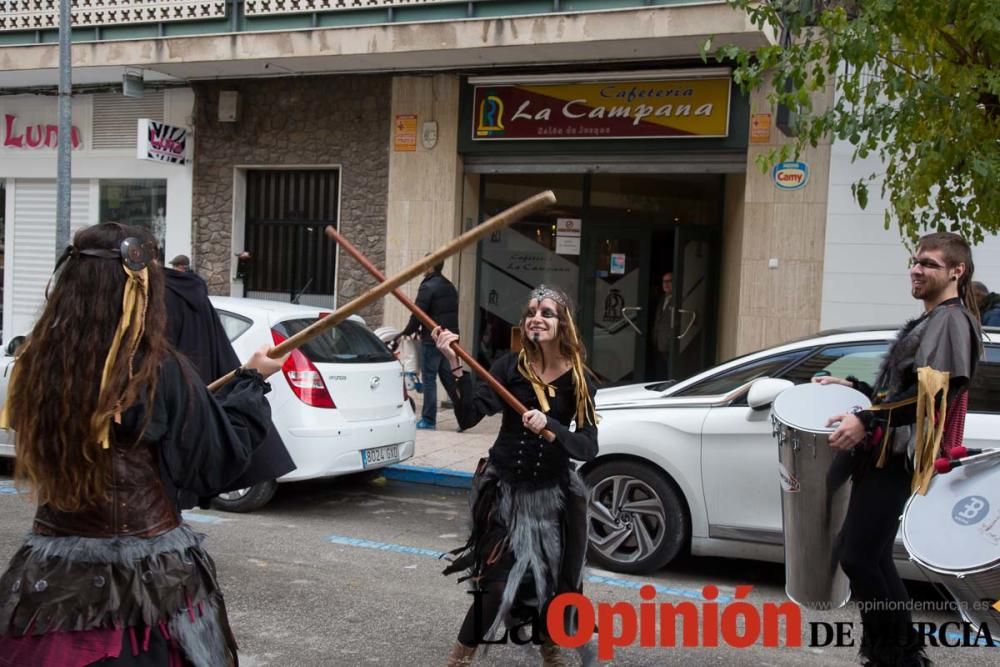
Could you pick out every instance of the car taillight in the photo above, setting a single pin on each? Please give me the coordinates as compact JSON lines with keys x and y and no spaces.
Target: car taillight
{"x":304,"y":378}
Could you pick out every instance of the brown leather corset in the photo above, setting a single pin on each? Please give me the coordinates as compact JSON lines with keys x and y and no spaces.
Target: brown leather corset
{"x":137,"y":503}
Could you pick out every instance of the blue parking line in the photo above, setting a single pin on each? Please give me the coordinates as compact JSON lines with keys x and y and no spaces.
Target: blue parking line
{"x":7,"y":488}
{"x":592,"y":578}
{"x":383,"y":546}
{"x":201,"y":518}
{"x":665,"y":590}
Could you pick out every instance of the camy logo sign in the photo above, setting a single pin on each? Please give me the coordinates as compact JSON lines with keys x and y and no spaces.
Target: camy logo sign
{"x":790,"y":175}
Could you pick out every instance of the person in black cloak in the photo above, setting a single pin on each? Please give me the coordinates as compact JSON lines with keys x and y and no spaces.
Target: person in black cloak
{"x":529,"y":506}
{"x":195,"y":330}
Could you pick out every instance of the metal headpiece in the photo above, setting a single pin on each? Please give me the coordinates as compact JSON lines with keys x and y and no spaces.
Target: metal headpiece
{"x":545,"y":292}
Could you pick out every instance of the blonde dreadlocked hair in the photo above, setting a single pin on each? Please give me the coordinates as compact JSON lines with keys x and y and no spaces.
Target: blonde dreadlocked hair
{"x":570,"y":347}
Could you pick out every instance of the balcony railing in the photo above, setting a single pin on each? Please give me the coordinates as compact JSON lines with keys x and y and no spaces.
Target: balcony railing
{"x":97,"y":20}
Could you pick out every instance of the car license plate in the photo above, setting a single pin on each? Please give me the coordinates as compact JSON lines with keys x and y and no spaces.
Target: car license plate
{"x":378,"y":455}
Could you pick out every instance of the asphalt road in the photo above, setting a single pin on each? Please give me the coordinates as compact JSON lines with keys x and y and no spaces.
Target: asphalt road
{"x":345,"y":573}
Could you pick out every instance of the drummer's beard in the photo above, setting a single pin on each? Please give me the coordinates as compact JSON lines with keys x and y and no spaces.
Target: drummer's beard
{"x":928,"y":287}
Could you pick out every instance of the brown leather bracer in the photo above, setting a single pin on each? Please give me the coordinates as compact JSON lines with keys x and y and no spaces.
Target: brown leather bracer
{"x":137,"y":503}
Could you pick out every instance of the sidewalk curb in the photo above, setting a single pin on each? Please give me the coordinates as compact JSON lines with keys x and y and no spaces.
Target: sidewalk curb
{"x":457,"y":479}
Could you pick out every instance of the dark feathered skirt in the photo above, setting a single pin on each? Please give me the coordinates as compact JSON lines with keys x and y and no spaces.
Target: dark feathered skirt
{"x":68,"y":599}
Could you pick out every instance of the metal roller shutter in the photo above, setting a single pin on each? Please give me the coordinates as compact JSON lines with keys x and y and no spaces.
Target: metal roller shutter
{"x":32,"y":254}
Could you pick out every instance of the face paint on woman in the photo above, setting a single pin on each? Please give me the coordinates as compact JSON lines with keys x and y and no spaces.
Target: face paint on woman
{"x":541,"y":322}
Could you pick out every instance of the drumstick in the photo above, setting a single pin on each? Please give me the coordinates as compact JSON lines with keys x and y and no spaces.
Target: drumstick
{"x":943,"y":465}
{"x":502,"y":219}
{"x":426,"y":320}
{"x":960,"y":451}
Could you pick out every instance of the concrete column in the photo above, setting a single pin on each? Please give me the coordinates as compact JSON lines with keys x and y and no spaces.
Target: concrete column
{"x":425,"y":185}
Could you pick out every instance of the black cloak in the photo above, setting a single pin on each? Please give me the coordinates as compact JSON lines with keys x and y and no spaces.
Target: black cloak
{"x":194,"y":328}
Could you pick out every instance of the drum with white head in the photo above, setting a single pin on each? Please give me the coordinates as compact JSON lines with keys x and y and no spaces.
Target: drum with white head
{"x":953,"y":534}
{"x":815,"y":489}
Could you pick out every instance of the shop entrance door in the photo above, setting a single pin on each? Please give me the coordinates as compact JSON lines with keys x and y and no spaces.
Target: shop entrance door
{"x":692,"y":346}
{"x":632,"y":332}
{"x":614,"y":292}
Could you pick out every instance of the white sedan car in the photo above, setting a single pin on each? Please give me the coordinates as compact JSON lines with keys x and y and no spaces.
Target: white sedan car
{"x":339,"y":403}
{"x":693,"y":466}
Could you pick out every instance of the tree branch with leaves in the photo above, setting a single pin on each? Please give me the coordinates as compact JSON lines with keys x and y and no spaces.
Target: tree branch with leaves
{"x":916,"y":84}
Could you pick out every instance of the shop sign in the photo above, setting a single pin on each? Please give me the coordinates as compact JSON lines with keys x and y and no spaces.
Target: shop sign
{"x":160,"y":142}
{"x":667,"y":108}
{"x":790,"y":175}
{"x":405,"y":133}
{"x":33,"y":136}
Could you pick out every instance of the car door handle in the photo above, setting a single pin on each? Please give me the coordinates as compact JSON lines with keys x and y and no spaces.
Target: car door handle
{"x":625,"y":311}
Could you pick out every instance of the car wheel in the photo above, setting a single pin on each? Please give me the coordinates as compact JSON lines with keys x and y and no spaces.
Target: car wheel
{"x":637,"y":519}
{"x":246,"y":500}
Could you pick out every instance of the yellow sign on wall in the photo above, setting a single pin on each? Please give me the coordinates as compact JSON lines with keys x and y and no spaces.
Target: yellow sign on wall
{"x":405,"y":133}
{"x":666,"y":108}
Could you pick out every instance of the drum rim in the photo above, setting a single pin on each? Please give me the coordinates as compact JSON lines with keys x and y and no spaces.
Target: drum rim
{"x":865,"y":403}
{"x":975,"y":569}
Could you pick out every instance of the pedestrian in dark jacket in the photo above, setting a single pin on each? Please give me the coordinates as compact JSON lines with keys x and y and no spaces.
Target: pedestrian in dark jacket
{"x":195,"y":330}
{"x":989,"y":305}
{"x":438,"y":298}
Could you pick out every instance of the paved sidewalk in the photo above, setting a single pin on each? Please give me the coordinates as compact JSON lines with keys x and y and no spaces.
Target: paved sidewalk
{"x":446,"y":457}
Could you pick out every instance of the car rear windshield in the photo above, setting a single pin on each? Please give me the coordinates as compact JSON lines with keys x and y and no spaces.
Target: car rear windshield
{"x":346,"y":343}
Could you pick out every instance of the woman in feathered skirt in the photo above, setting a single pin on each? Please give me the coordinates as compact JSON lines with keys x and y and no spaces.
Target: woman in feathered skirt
{"x":529,"y":507}
{"x":112,"y":426}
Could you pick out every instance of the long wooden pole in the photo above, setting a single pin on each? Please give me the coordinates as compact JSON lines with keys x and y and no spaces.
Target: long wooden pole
{"x":502,"y":219}
{"x":426,"y":320}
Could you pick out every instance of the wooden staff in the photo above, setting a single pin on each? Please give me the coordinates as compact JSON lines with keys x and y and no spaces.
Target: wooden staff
{"x":502,"y":219}
{"x":426,"y":320}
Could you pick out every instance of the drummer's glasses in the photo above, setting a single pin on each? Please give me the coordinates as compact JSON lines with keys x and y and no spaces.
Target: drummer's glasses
{"x":926,"y":263}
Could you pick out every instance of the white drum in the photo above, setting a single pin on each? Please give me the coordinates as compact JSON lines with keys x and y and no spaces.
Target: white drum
{"x":814,"y":492}
{"x":953,"y":534}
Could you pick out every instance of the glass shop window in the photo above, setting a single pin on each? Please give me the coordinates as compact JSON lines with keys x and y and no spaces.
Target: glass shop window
{"x":141,"y":202}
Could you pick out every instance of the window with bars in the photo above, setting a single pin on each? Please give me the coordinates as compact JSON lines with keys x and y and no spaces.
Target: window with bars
{"x":286,"y":212}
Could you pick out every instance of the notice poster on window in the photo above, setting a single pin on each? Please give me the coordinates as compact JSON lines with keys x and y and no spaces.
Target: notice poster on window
{"x":618,"y":263}
{"x":568,"y":236}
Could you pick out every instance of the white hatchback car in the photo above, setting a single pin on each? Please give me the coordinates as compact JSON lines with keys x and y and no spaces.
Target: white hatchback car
{"x":339,"y":403}
{"x":692,"y":466}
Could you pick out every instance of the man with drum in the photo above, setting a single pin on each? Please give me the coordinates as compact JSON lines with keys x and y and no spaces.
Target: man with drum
{"x":891,"y":461}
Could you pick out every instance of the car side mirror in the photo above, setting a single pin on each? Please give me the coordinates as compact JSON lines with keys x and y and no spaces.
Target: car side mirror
{"x":763,"y":392}
{"x":13,"y":344}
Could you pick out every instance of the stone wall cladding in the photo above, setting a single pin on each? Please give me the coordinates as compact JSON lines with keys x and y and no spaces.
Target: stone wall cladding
{"x":311,"y":121}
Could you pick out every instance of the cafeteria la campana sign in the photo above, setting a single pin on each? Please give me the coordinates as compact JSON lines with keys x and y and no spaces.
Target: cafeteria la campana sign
{"x":641,"y":109}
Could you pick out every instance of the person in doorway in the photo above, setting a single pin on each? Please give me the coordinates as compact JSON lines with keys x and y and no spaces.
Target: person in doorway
{"x":988,"y":303}
{"x":663,"y":331}
{"x":110,"y":574}
{"x":438,"y":298}
{"x":529,"y":506}
{"x":890,"y":455}
{"x":195,"y":330}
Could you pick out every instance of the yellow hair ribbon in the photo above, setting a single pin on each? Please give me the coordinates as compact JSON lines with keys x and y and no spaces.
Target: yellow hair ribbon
{"x":134,"y":302}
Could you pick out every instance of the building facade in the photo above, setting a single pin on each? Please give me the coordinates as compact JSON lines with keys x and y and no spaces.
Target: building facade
{"x":109,"y":184}
{"x":405,"y":123}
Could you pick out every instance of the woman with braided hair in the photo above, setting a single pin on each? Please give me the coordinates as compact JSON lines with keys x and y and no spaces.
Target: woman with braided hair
{"x":529,"y":533}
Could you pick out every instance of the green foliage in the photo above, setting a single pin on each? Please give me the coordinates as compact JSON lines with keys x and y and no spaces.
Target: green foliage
{"x":917,"y":85}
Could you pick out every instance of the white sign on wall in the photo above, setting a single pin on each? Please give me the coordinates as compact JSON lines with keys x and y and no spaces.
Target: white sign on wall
{"x":161,"y":142}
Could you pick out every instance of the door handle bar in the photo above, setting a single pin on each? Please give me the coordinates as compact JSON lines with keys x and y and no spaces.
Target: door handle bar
{"x":694,"y":318}
{"x":628,"y":319}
